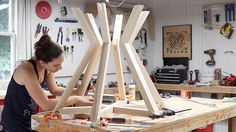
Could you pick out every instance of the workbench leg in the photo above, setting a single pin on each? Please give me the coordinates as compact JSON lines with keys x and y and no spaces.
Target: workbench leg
{"x":232,"y":124}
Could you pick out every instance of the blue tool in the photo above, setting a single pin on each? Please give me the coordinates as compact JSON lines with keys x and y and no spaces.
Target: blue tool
{"x":232,"y":10}
{"x":205,"y":16}
{"x":229,"y":12}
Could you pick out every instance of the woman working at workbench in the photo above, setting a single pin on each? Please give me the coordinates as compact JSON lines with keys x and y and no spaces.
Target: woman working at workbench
{"x":25,"y":91}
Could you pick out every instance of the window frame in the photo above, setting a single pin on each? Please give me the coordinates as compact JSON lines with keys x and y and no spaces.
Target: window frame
{"x":11,"y":33}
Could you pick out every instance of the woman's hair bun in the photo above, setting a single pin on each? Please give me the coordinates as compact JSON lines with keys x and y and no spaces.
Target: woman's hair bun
{"x":44,"y":42}
{"x":46,"y":49}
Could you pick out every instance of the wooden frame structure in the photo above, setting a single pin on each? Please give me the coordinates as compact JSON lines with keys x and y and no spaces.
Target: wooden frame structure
{"x":99,"y":50}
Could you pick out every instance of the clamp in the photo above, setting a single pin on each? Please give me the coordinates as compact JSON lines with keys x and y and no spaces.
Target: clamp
{"x":52,"y":116}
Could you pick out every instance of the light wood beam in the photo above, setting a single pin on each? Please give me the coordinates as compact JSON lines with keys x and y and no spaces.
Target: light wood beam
{"x":117,"y":56}
{"x":94,"y":59}
{"x":97,"y":40}
{"x":139,"y":78}
{"x":102,"y":13}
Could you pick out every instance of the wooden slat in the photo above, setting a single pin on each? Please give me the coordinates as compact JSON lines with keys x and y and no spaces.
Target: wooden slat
{"x":76,"y":110}
{"x":117,"y":56}
{"x":108,"y":110}
{"x":103,"y":61}
{"x":89,"y":72}
{"x":132,"y":111}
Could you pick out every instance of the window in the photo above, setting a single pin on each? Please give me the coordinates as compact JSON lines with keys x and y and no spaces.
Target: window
{"x":6,"y":39}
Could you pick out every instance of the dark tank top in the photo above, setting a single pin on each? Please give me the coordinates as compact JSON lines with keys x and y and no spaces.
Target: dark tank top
{"x":19,"y":106}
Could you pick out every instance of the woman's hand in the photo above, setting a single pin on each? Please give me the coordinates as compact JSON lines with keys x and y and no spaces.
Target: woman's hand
{"x":82,"y":100}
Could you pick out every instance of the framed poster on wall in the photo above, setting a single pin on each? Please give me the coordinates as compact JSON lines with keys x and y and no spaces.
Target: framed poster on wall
{"x":177,"y":41}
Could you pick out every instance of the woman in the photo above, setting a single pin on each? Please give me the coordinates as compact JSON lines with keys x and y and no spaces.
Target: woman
{"x":25,"y":91}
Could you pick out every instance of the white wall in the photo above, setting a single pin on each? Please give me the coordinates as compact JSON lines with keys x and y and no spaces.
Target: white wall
{"x":167,"y":12}
{"x":177,"y":12}
{"x":80,"y":49}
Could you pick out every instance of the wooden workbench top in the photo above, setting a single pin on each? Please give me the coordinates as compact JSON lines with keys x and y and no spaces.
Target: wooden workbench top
{"x":200,"y":115}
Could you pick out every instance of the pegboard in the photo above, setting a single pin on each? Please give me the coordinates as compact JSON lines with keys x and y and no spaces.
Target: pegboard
{"x":79,"y":43}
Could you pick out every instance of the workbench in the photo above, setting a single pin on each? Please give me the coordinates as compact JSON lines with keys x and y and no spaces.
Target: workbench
{"x":200,"y":115}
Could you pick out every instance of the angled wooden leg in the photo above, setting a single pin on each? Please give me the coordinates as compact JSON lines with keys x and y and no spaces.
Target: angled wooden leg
{"x":95,"y":37}
{"x":116,"y":54}
{"x":103,"y":61}
{"x":139,"y":79}
{"x":89,"y":72}
{"x":74,"y":79}
{"x":151,"y":86}
{"x":94,"y":60}
{"x":128,"y":36}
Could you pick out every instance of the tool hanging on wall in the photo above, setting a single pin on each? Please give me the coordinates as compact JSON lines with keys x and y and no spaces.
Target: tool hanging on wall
{"x":64,"y":49}
{"x":38,"y":30}
{"x":207,"y":19}
{"x":211,"y":53}
{"x":80,"y":34}
{"x":63,"y":11}
{"x":60,"y":34}
{"x":143,"y":38}
{"x":217,"y":19}
{"x":229,"y":12}
{"x":66,"y":20}
{"x":73,"y":32}
{"x":227,"y":30}
{"x":67,"y":35}
{"x":72,"y":53}
{"x":45,"y":30}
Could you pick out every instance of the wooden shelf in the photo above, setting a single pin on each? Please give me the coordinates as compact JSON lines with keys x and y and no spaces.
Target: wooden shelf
{"x":193,"y":88}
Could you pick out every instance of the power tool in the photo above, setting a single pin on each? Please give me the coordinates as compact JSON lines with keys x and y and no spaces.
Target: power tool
{"x":210,"y":52}
{"x":227,"y":30}
{"x":230,"y":80}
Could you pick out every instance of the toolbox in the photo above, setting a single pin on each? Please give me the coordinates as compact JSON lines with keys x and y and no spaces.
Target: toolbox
{"x":174,"y":71}
{"x":171,"y":76}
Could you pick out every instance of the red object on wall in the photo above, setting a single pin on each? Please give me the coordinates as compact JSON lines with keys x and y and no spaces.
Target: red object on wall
{"x":209,"y":128}
{"x":43,"y":9}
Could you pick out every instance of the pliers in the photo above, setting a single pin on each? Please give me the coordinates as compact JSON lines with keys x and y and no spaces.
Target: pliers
{"x":60,"y":33}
